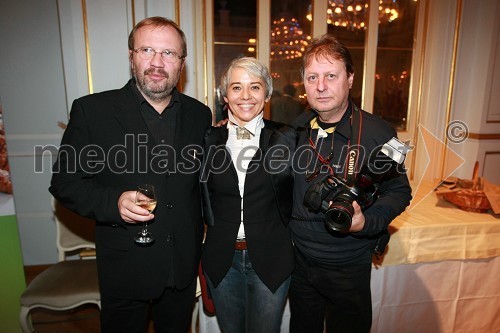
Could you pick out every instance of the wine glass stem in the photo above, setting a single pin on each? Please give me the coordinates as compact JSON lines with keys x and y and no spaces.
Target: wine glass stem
{"x":145,"y":228}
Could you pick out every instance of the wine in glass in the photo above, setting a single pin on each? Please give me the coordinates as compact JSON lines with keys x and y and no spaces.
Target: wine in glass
{"x":146,"y":198}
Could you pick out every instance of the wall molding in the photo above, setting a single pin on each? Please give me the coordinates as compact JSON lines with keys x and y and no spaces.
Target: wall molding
{"x":484,"y":136}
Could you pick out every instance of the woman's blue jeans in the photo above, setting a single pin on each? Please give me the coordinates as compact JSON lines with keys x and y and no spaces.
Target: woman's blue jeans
{"x":243,"y":303}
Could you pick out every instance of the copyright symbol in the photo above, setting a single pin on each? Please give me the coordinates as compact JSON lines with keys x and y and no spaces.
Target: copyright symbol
{"x":457,"y":131}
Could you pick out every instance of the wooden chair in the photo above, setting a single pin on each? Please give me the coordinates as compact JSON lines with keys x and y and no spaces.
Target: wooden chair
{"x":66,"y":284}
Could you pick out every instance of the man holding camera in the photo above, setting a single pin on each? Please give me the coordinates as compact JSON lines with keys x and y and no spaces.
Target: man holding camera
{"x":339,"y":214}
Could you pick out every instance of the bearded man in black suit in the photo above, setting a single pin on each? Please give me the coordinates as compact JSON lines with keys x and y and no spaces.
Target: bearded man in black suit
{"x":145,"y":132}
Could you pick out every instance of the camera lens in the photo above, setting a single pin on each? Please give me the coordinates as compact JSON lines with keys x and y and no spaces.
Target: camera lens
{"x":339,"y":216}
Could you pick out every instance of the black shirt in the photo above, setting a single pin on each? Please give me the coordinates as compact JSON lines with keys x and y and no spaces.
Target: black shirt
{"x":161,"y":126}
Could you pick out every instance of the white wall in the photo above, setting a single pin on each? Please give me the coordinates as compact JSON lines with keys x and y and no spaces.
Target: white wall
{"x":476,"y":99}
{"x":32,"y":91}
{"x":457,"y":86}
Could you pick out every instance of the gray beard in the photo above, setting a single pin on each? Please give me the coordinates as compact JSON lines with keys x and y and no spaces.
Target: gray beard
{"x":155,"y":95}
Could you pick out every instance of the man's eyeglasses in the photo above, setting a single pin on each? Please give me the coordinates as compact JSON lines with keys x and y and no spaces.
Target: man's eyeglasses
{"x":148,"y":53}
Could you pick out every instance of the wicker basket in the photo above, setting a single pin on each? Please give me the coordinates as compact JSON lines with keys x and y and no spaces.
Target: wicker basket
{"x":469,"y":200}
{"x":469,"y":196}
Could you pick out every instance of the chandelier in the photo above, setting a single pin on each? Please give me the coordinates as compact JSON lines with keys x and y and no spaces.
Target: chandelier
{"x":353,"y":14}
{"x":288,"y":41}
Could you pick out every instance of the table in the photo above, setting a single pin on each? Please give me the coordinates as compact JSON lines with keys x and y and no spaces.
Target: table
{"x":440,"y":274}
{"x":435,"y":230}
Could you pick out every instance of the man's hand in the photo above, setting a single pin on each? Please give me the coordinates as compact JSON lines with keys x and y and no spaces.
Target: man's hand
{"x":358,"y":219}
{"x":129,"y":211}
{"x":221,"y":122}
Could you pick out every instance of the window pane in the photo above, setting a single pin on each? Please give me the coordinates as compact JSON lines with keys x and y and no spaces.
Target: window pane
{"x":223,"y":55}
{"x":235,"y":20}
{"x":394,"y":56}
{"x":235,"y":30}
{"x":290,"y":35}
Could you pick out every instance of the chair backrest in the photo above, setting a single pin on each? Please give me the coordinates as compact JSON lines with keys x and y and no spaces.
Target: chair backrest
{"x":74,"y":233}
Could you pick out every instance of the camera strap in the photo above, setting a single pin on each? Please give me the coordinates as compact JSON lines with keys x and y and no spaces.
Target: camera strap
{"x":354,"y":144}
{"x":382,"y":238}
{"x":351,"y":162}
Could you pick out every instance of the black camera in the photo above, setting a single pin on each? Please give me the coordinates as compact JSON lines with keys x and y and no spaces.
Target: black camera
{"x":334,"y":196}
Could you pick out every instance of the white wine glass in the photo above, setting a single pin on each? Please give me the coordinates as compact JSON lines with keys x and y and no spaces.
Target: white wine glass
{"x":146,"y":198}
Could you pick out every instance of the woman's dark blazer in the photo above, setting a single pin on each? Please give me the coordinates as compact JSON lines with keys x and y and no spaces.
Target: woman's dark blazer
{"x":266,"y":230}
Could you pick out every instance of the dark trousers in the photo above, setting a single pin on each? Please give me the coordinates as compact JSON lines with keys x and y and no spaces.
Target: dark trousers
{"x":171,"y":312}
{"x":339,"y":297}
